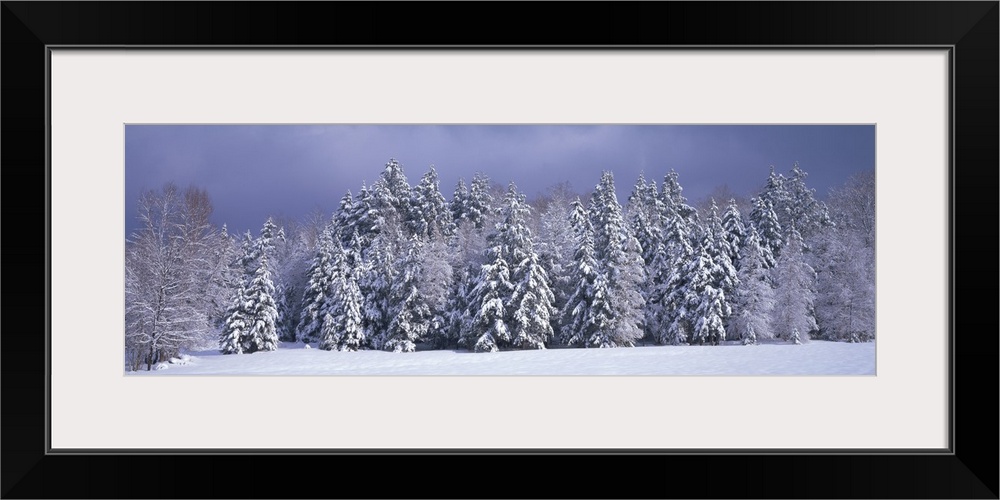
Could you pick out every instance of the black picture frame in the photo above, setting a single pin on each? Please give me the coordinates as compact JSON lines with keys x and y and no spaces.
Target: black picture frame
{"x":967,"y":470}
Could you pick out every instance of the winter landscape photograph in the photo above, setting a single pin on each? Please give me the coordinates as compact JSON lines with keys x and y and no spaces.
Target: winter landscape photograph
{"x":500,"y":250}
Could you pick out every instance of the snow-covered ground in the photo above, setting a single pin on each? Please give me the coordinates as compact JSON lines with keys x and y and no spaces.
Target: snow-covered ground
{"x":811,"y":358}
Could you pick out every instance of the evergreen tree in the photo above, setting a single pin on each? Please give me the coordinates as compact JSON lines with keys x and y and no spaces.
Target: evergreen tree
{"x":286,"y":322}
{"x":709,"y":316}
{"x":673,"y":201}
{"x":701,"y":300}
{"x":480,"y":203}
{"x":248,"y":255}
{"x":809,"y":215}
{"x":630,"y":298}
{"x":344,"y":223}
{"x":262,"y":311}
{"x":457,"y":317}
{"x":270,"y":236}
{"x":668,"y":313}
{"x":659,"y":315}
{"x":342,"y":326}
{"x":489,"y":328}
{"x":376,"y":282}
{"x":316,"y":295}
{"x":765,"y":223}
{"x":754,"y":300}
{"x":795,"y":296}
{"x":431,"y":215}
{"x":392,"y":195}
{"x":515,"y":303}
{"x":237,"y":324}
{"x":724,"y":277}
{"x":775,"y":194}
{"x":620,"y":271}
{"x":363,"y":218}
{"x":533,"y":302}
{"x":735,"y":231}
{"x":644,"y":215}
{"x":459,"y":203}
{"x":512,"y":231}
{"x":795,"y":339}
{"x":577,"y":325}
{"x":410,"y":314}
{"x":602,"y":315}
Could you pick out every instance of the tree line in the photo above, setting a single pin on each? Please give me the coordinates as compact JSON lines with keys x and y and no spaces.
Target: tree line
{"x":398,"y":266}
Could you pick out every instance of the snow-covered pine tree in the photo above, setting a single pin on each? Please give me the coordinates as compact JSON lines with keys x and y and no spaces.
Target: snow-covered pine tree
{"x":753,"y":304}
{"x":262,"y":311}
{"x":457,"y":318}
{"x":710,"y":316}
{"x":458,"y":206}
{"x":809,"y":215}
{"x":236,"y":326}
{"x":479,"y":206}
{"x":674,"y":202}
{"x":645,"y":214}
{"x":343,"y":223}
{"x":765,"y":223}
{"x":270,"y":236}
{"x":468,"y":255}
{"x":670,"y":324}
{"x":316,"y":296}
{"x":631,"y":297}
{"x":532,"y":299}
{"x":363,"y":218}
{"x":577,"y":326}
{"x":658,"y":316}
{"x":620,"y":271}
{"x":512,"y":231}
{"x":534,"y":305}
{"x":735,"y":230}
{"x":523,"y":295}
{"x":431,"y":215}
{"x":794,"y":294}
{"x":601,"y":314}
{"x":643,"y":218}
{"x":287,"y":308}
{"x":724,"y":276}
{"x":254,"y":252}
{"x":248,"y":255}
{"x":392,"y":195}
{"x":702,"y":300}
{"x":489,"y":329}
{"x":376,"y":285}
{"x":775,"y":194}
{"x":342,"y":327}
{"x":409,"y":313}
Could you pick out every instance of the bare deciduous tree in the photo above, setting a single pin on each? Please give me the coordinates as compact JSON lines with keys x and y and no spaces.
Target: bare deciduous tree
{"x":167,"y":271}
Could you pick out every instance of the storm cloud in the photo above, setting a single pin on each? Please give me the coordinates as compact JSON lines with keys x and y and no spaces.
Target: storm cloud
{"x":255,"y":171}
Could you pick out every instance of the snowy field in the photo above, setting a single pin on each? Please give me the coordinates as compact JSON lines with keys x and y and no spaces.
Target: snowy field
{"x":811,"y":358}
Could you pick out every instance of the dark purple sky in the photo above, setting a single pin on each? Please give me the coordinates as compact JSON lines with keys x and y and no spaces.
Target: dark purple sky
{"x":253,"y":171}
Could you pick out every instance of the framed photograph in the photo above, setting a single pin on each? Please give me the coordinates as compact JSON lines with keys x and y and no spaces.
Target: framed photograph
{"x":242,"y":106}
